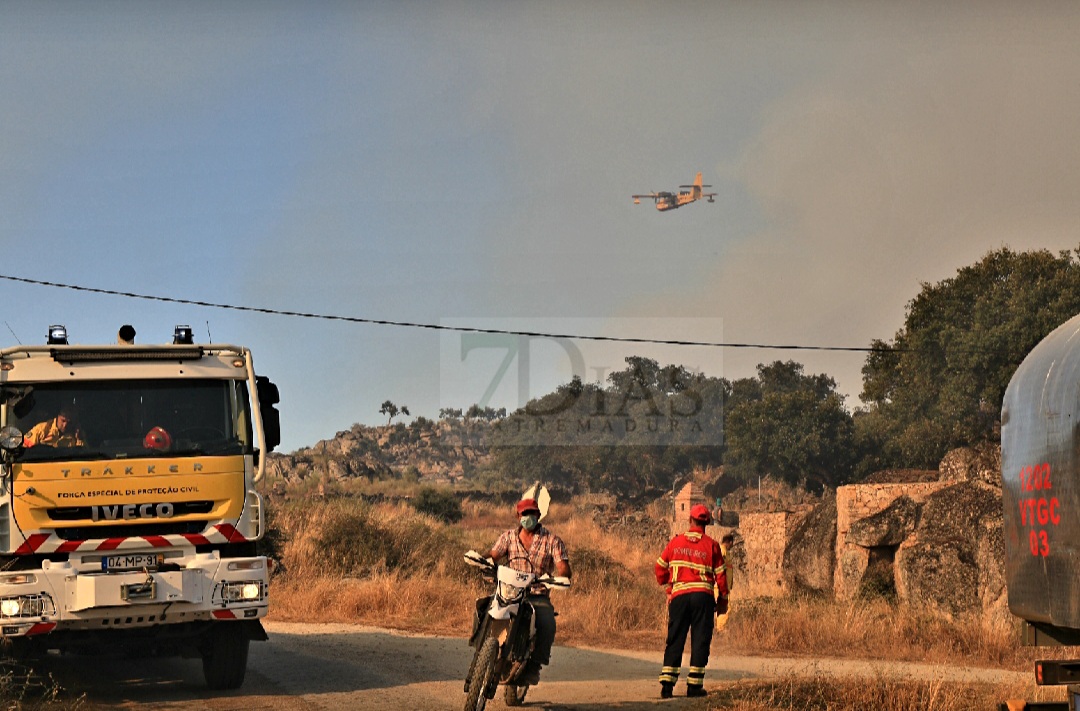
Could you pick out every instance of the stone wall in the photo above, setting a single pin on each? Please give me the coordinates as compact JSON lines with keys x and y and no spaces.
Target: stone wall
{"x":936,"y":544}
{"x":859,"y":502}
{"x":765,"y":537}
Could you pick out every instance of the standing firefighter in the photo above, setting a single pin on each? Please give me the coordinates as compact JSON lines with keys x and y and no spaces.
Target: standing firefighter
{"x":692,"y":568}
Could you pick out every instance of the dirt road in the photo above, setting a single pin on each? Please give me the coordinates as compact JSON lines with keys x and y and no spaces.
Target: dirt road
{"x":334,"y":666}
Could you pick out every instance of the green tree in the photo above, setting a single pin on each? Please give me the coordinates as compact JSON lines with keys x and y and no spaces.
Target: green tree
{"x":790,"y":425}
{"x":565,"y":437}
{"x":939,"y":384}
{"x":391,"y":410}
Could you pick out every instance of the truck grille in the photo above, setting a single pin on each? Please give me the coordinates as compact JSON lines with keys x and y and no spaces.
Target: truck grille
{"x":83,"y":513}
{"x":176,"y":528}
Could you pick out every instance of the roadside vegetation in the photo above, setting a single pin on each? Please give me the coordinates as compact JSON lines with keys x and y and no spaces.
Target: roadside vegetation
{"x":24,"y":689}
{"x":361,"y":541}
{"x":824,"y":694}
{"x":387,"y":565}
{"x":390,"y":566}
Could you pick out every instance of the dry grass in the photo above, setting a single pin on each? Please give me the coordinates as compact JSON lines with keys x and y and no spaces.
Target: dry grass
{"x":23,"y":689}
{"x":870,"y":629}
{"x":819,"y":694}
{"x":387,"y":565}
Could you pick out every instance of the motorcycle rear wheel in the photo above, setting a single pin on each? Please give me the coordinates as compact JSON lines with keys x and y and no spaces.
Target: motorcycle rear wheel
{"x":483,"y":672}
{"x":515,"y":695}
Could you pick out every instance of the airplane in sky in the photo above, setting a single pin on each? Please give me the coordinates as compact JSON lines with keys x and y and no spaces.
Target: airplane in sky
{"x":670,"y":201}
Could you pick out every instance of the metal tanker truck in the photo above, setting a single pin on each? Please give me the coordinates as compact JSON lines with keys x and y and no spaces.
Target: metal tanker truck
{"x":1040,"y":471}
{"x":128,"y":511}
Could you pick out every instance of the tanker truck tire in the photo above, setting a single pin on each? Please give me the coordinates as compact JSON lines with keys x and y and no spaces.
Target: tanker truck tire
{"x":224,"y":656}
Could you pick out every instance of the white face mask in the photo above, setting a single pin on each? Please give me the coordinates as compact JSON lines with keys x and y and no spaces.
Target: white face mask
{"x":529,"y":522}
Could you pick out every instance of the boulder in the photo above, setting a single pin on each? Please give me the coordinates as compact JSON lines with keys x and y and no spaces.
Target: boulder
{"x":946,"y":565}
{"x":811,"y":550}
{"x":979,"y":463}
{"x":888,"y":527}
{"x":990,"y":559}
{"x":940,"y":575}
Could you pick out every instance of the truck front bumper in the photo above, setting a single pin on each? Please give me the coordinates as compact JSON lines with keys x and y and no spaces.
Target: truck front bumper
{"x":79,"y":595}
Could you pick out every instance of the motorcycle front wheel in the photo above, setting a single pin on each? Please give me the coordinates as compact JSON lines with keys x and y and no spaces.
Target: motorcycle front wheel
{"x":515,"y":695}
{"x":482,"y":674}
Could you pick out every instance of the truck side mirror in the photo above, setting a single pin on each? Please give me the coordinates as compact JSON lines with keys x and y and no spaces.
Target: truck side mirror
{"x":271,"y":418}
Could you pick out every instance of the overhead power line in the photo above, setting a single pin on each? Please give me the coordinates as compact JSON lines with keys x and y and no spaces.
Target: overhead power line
{"x":433,"y":326}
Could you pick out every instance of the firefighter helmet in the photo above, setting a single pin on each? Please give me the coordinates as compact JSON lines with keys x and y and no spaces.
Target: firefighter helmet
{"x":157,"y":438}
{"x":700,"y":513}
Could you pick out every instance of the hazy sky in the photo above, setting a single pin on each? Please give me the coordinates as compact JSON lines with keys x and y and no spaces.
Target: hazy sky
{"x":472,"y":163}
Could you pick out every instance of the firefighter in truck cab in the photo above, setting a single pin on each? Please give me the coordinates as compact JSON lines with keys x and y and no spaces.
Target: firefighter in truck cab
{"x":60,"y":431}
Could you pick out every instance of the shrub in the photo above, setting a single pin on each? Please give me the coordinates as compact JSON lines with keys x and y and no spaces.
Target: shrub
{"x":439,"y":504}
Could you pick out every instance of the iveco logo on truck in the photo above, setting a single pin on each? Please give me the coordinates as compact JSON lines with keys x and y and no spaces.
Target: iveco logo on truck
{"x":128,"y":512}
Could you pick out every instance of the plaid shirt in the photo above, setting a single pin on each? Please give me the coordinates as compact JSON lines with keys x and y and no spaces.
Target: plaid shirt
{"x":546,"y":549}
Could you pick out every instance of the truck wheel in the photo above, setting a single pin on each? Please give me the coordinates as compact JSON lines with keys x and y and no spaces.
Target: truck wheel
{"x":486,"y":659}
{"x":224,"y":656}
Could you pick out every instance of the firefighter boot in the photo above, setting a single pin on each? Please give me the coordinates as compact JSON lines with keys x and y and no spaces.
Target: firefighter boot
{"x":666,"y":688}
{"x":695,"y":690}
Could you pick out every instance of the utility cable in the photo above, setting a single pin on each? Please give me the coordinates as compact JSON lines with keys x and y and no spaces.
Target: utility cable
{"x":441,"y":327}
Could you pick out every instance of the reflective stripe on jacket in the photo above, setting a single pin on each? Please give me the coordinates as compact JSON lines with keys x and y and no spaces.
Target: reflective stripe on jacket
{"x":692,"y":562}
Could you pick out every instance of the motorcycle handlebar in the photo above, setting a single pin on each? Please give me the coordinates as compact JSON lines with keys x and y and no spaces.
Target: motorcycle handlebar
{"x":475,"y":559}
{"x":552,"y":582}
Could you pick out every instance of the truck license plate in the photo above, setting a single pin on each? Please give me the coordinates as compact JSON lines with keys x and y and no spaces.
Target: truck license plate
{"x":131,"y":561}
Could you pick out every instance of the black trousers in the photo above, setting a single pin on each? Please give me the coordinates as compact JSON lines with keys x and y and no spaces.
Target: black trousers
{"x":693,"y":613}
{"x":544,"y":614}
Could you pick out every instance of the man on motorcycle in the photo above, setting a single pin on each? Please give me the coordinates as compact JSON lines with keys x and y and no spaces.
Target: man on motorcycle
{"x":545,"y":553}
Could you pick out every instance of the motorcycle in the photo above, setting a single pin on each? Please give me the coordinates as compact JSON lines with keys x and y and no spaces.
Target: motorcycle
{"x":504,"y":631}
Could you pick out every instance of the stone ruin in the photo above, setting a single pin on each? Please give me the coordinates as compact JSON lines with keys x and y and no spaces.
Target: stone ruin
{"x":932,"y":539}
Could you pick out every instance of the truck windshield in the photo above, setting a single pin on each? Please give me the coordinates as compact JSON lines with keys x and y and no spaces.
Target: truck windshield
{"x":123,"y":419}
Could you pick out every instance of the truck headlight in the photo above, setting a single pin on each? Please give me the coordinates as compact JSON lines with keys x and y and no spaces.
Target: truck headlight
{"x":242,"y":591}
{"x":11,"y":438}
{"x":34,"y":605}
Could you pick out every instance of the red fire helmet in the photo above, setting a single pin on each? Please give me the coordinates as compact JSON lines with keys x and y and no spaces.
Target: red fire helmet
{"x":157,"y":438}
{"x":700,"y":513}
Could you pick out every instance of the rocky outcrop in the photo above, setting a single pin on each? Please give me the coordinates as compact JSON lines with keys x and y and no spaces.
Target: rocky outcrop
{"x":889,"y":527}
{"x":955,"y":550}
{"x":934,"y":541}
{"x":980,"y":463}
{"x":809,"y":557}
{"x":424,"y":449}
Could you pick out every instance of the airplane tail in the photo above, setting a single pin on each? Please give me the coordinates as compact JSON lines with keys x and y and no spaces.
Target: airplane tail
{"x":697,"y":187}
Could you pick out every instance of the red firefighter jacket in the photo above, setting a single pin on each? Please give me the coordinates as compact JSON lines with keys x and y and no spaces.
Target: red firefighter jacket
{"x":692,"y":562}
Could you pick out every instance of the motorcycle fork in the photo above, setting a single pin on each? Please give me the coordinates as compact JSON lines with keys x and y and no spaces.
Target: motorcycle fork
{"x":500,"y":630}
{"x":517,"y":643}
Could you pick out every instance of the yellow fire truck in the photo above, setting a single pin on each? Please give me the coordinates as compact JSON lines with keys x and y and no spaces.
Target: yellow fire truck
{"x":128,"y":511}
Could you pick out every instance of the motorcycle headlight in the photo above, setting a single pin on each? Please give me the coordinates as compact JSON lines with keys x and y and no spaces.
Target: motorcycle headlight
{"x":510,"y":593}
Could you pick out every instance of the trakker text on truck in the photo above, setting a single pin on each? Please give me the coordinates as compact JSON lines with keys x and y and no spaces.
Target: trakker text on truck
{"x":128,"y":511}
